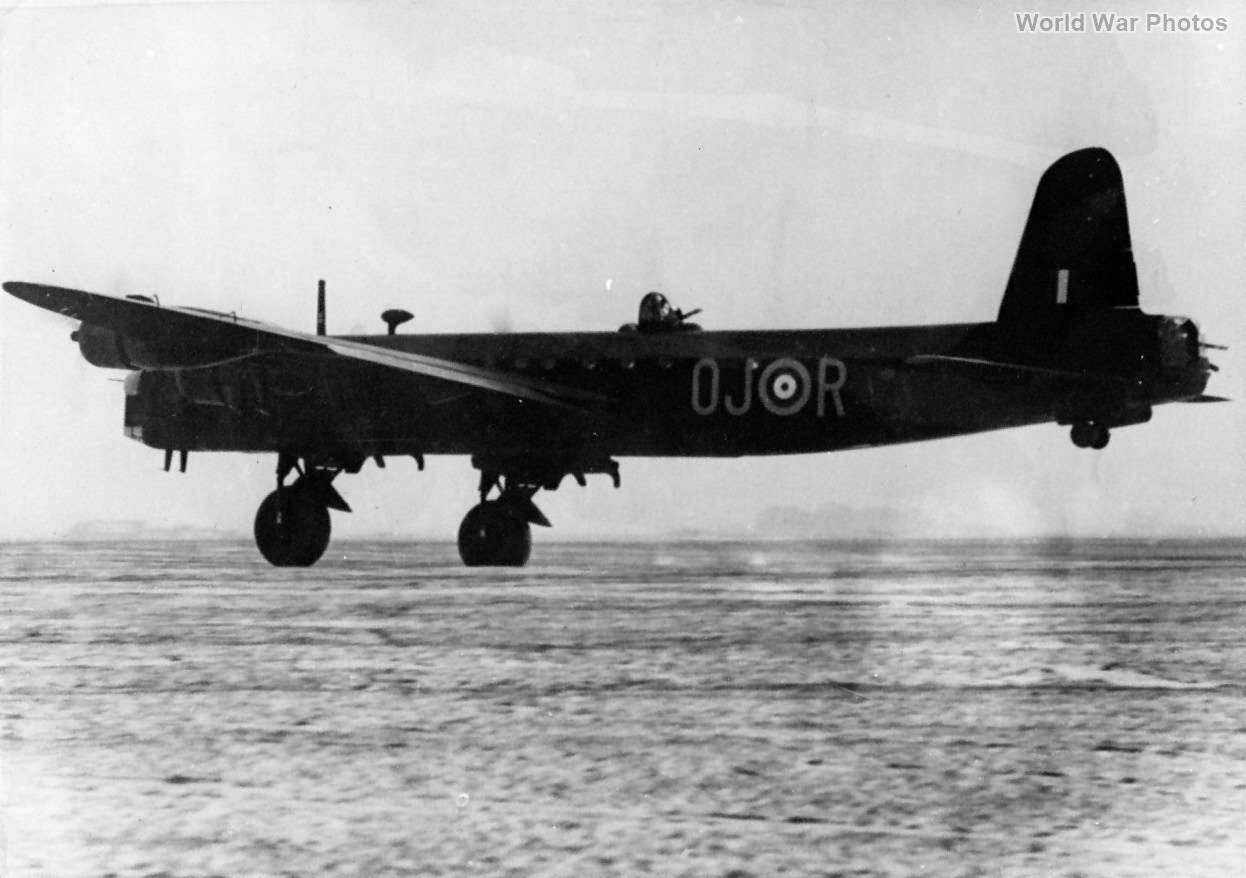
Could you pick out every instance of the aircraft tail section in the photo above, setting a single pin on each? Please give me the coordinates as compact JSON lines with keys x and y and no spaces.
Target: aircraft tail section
{"x":1075,"y":253}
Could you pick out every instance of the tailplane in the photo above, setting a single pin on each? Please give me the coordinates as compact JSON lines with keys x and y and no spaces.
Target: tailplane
{"x":1075,"y":253}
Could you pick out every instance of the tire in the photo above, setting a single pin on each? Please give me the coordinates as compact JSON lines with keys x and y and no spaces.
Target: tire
{"x":494,"y":534}
{"x":292,"y":528}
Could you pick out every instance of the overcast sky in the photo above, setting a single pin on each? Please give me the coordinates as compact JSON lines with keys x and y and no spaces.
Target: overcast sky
{"x":542,"y":165}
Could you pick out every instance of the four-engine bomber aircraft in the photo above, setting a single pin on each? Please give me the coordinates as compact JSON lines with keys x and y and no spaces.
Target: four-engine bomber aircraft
{"x":1070,"y":345}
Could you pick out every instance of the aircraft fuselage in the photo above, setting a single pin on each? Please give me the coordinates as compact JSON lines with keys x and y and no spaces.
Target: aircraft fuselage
{"x":713,"y":394}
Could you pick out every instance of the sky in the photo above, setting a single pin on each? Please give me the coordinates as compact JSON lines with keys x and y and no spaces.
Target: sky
{"x":540,"y":166}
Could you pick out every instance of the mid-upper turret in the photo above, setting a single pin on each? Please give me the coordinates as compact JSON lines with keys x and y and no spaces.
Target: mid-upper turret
{"x":657,"y":315}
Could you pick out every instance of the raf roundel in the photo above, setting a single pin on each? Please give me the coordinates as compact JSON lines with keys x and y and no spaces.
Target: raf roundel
{"x":784,"y":387}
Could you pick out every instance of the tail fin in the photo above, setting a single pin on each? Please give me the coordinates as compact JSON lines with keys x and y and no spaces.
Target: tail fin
{"x":1075,"y":252}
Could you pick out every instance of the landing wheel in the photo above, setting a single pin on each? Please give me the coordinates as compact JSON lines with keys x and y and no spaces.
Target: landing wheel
{"x":494,"y":534}
{"x":292,"y":528}
{"x":1089,"y":434}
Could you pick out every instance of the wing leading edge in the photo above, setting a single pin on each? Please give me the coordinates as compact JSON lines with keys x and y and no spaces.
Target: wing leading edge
{"x":228,"y":338}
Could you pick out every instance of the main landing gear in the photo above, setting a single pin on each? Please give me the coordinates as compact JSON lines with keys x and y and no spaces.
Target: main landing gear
{"x":292,"y":527}
{"x":1090,"y":434}
{"x":292,"y":524}
{"x":498,"y":532}
{"x":495,"y":534}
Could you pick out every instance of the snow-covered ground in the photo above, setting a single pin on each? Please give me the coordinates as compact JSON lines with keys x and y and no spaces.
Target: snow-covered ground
{"x":711,"y":709}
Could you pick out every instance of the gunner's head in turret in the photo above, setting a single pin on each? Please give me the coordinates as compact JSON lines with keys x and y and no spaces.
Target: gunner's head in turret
{"x":656,"y":313}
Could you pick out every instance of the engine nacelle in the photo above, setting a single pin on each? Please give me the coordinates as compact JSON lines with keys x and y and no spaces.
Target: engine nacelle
{"x":205,"y":387}
{"x":110,"y":350}
{"x":161,"y":413}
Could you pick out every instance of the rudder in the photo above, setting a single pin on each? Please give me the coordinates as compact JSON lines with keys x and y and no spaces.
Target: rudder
{"x":1075,"y":252}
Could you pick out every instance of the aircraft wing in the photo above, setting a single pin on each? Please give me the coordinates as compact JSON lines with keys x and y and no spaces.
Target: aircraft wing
{"x":232,"y":339}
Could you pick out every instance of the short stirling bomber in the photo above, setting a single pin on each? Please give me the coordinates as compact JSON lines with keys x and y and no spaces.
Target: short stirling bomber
{"x":1069,"y":345}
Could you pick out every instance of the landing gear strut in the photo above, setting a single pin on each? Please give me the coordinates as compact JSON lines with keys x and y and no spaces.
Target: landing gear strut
{"x":1090,"y":434}
{"x":498,"y":532}
{"x":292,"y":525}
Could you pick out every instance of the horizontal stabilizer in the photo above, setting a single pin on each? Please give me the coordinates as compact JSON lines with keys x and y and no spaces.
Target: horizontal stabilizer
{"x":984,"y":368}
{"x":1207,"y":397}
